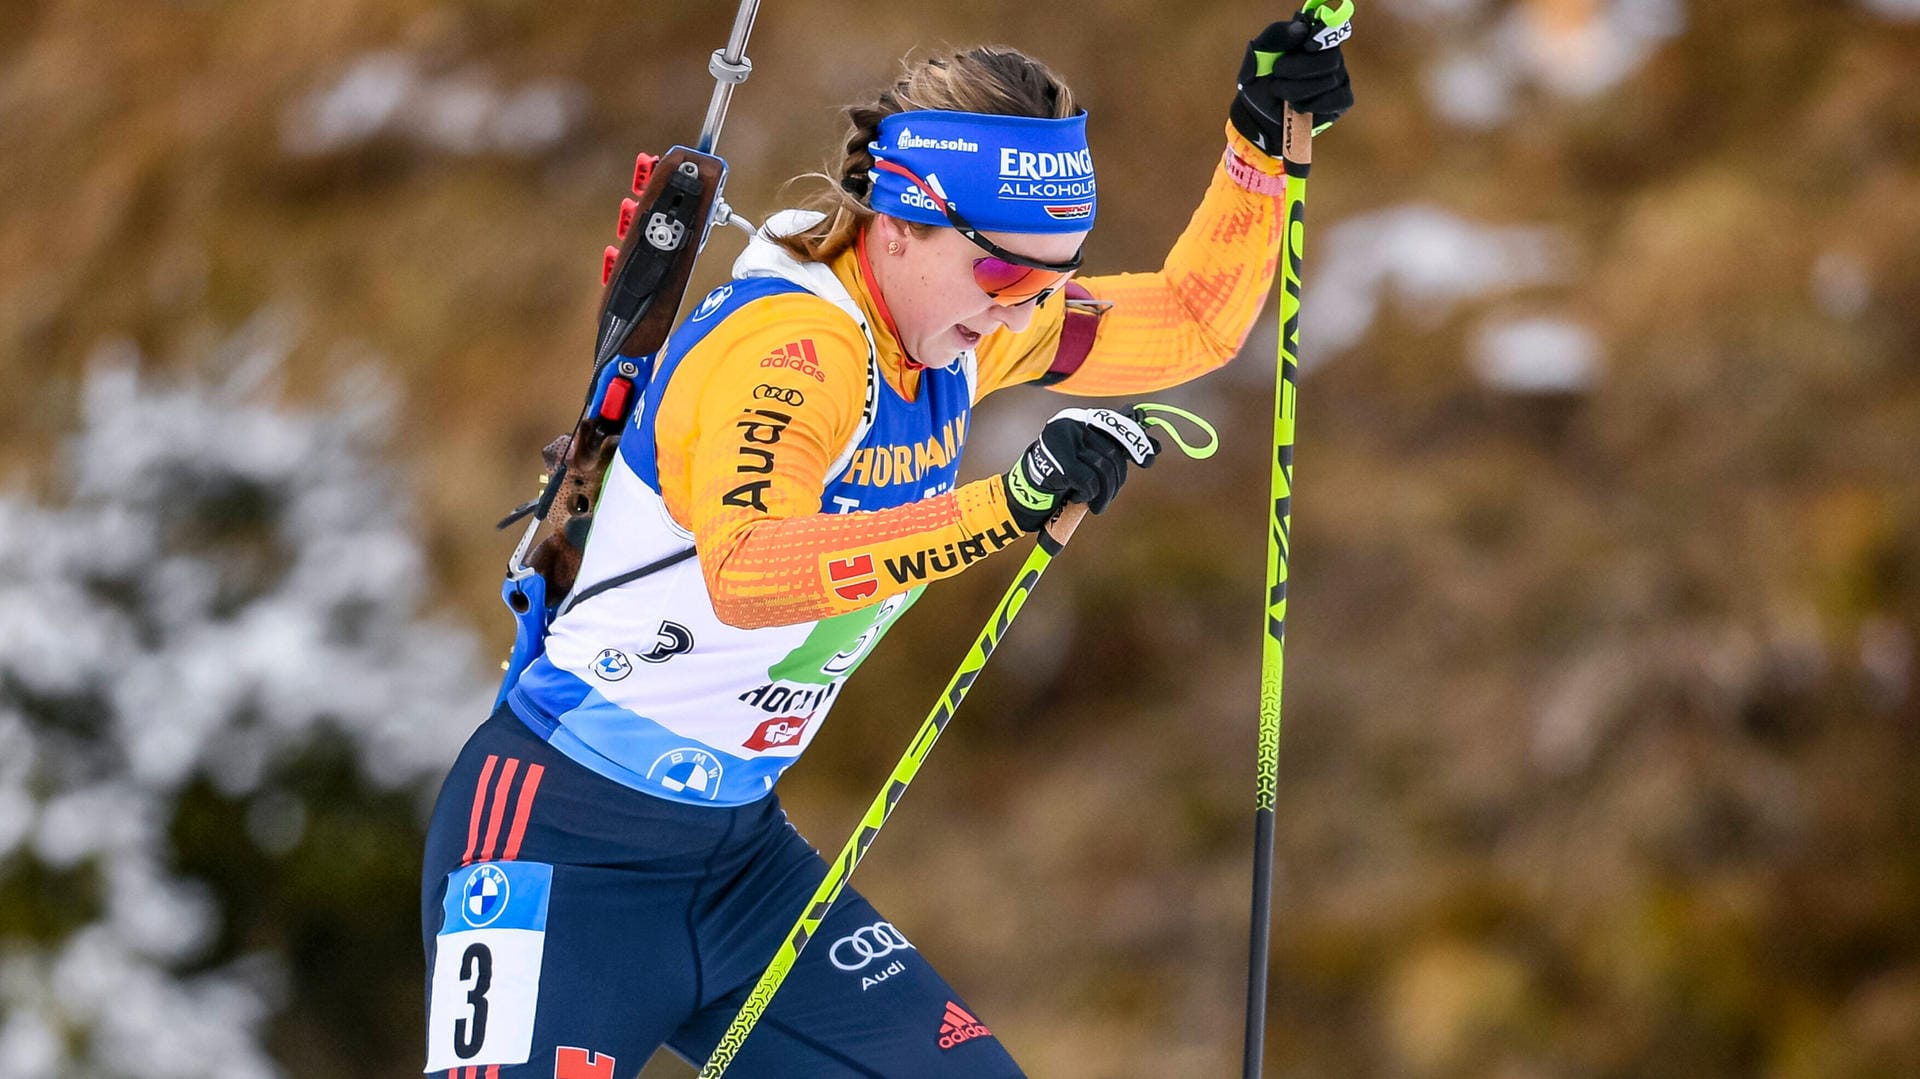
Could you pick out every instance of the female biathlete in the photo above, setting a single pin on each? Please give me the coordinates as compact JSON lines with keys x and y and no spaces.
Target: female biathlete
{"x":608,"y":868}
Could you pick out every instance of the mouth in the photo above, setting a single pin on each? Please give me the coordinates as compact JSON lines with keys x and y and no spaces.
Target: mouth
{"x":967,"y":335}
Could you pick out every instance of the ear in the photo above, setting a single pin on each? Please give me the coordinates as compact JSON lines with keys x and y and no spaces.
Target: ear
{"x":888,"y":229}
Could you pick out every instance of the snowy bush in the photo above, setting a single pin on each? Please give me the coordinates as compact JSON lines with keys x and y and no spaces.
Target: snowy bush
{"x":214,"y":594}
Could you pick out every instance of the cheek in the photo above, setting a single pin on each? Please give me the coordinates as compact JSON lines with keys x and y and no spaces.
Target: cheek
{"x":945,"y":293}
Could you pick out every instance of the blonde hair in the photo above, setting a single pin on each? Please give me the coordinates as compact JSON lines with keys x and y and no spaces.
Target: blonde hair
{"x":988,"y":79}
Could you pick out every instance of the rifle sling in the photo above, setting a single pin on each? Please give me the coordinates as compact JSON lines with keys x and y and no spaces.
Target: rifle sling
{"x":580,"y":597}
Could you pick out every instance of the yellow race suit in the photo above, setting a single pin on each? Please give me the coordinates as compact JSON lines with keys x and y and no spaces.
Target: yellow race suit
{"x":788,"y":439}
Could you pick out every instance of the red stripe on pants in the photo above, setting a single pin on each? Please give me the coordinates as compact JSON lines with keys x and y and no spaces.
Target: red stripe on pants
{"x":522,"y":810}
{"x":473,"y":821}
{"x":500,"y":790}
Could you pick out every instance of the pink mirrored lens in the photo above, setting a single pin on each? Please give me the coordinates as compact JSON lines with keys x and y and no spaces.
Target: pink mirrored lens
{"x":1008,"y":284}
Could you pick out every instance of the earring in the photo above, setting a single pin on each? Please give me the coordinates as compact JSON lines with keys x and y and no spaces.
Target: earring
{"x":893,"y":247}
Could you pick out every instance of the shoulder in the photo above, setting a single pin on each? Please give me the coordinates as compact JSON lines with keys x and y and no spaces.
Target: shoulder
{"x":800,"y":318}
{"x":794,"y":346}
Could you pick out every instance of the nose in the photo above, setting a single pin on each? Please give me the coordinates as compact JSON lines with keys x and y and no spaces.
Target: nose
{"x":1015,"y":318}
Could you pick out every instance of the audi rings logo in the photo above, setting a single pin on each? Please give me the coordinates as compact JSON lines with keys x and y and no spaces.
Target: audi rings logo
{"x":785,"y":396}
{"x":866,"y":944}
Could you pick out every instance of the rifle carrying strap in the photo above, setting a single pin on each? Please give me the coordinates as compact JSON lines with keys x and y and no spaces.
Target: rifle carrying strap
{"x":765,"y":259}
{"x":1076,"y":341}
{"x":631,"y":575}
{"x":1077,"y":333}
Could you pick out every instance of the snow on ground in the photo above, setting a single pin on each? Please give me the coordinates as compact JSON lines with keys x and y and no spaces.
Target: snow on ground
{"x":1897,"y":10}
{"x":1840,"y":285}
{"x":386,"y":94}
{"x":1427,"y":259}
{"x":1537,"y":355}
{"x":214,"y":583}
{"x":1571,"y":48}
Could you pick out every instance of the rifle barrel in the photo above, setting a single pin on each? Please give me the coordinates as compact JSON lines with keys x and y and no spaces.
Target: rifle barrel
{"x":730,"y":68}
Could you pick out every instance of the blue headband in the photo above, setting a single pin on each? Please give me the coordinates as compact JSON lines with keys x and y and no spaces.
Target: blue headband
{"x":1002,"y":173}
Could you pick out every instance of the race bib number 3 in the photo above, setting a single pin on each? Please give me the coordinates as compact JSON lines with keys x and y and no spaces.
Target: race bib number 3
{"x":486,"y":965}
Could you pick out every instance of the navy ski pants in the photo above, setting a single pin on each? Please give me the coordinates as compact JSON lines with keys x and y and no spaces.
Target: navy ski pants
{"x":573,"y":926}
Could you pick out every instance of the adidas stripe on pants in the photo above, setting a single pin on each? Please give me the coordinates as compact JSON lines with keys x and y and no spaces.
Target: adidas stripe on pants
{"x":608,"y":922}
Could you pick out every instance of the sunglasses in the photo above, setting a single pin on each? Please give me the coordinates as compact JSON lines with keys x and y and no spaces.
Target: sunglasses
{"x":1008,"y":279}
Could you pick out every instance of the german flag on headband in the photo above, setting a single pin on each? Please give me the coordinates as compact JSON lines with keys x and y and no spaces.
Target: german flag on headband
{"x":1002,"y":173}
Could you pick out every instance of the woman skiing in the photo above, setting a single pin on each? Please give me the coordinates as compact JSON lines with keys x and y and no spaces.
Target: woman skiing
{"x":608,"y":869}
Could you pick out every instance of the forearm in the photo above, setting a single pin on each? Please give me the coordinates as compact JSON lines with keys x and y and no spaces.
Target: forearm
{"x":770,"y":571}
{"x":1193,"y":315}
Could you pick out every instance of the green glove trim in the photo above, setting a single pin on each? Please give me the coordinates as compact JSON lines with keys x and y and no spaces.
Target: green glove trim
{"x":1326,"y":14}
{"x":1025,"y":493}
{"x":1329,"y":13}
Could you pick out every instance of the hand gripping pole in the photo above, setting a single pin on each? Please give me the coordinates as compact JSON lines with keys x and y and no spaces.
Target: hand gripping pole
{"x":1053,"y":538}
{"x":1297,"y":152}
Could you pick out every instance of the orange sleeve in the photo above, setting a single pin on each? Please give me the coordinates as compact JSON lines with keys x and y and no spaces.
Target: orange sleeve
{"x":1167,"y":327}
{"x":751,"y":424}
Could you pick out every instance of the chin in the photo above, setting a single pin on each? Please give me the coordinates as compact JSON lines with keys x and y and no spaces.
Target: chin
{"x":942,"y":352}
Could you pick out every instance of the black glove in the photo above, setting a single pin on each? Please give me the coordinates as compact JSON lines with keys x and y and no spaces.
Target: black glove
{"x":1296,"y":63}
{"x":1080,"y":456}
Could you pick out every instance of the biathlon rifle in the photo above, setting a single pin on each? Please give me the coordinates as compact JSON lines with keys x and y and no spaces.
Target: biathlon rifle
{"x":662,"y":230}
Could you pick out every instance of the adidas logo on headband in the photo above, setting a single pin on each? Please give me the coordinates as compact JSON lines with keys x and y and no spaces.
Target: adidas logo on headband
{"x":1019,"y":174}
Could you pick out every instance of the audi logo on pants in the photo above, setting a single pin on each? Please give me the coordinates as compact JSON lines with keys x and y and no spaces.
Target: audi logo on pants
{"x":866,"y":944}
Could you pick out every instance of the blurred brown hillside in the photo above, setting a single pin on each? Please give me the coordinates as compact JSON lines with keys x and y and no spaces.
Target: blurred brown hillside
{"x":1602,"y":750}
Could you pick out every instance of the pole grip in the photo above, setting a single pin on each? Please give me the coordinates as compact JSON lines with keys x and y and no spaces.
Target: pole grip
{"x":1296,"y":144}
{"x":1060,"y":528}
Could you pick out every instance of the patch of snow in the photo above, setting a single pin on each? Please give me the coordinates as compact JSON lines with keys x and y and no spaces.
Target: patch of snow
{"x":182,"y":611}
{"x":1428,"y":259}
{"x":30,"y":1046}
{"x":1572,"y":50}
{"x":144,"y":1022}
{"x":1590,"y":56}
{"x":1536,"y":356}
{"x":362,"y":104}
{"x":1896,"y":10}
{"x":1469,"y":91}
{"x":386,"y":94}
{"x":1431,"y":11}
{"x":537,"y":116}
{"x":1887,"y":656}
{"x":100,"y":820}
{"x":1840,"y":286}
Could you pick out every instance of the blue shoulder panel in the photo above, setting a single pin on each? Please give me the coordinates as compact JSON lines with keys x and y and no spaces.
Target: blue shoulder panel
{"x":638,"y":448}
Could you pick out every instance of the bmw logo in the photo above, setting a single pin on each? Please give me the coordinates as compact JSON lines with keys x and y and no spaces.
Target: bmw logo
{"x":688,"y":770}
{"x":486,"y":895}
{"x":612,"y":665}
{"x":714,"y":301}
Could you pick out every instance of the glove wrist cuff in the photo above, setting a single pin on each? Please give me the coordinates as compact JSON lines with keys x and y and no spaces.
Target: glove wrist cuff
{"x":1030,"y":505}
{"x":1250,"y":178}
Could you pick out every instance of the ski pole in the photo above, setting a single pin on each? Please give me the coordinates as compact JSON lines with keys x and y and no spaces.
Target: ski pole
{"x":1296,"y":151}
{"x":1053,"y":538}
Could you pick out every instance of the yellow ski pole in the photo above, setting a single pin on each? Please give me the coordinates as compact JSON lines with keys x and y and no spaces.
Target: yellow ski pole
{"x":1053,"y":538}
{"x":1297,"y":152}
